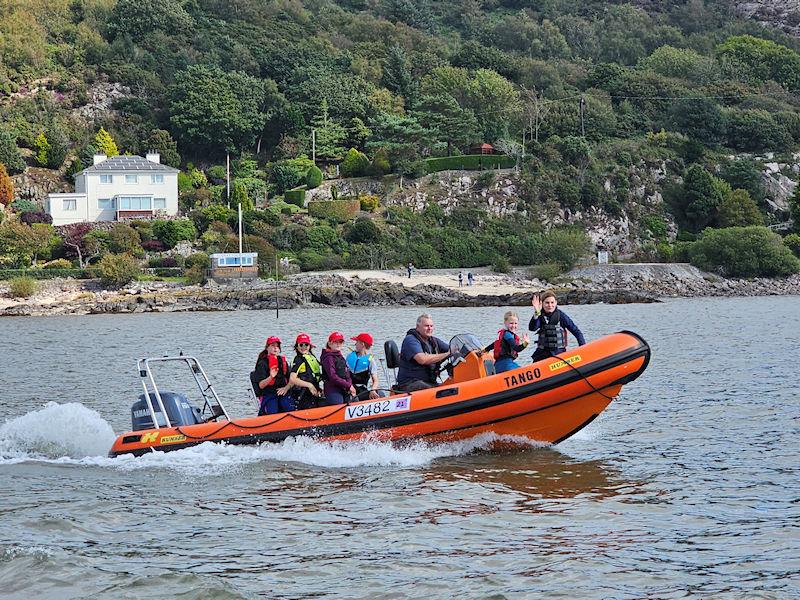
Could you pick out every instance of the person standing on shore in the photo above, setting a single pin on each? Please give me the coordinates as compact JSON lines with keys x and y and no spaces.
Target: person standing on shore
{"x":460,"y":279}
{"x":470,"y":278}
{"x":552,"y":324}
{"x":410,"y":267}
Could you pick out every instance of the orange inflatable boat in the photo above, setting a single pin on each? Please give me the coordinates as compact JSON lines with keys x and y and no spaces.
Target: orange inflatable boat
{"x":547,"y":401}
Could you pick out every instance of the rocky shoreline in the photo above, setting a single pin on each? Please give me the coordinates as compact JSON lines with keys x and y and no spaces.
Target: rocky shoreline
{"x":611,"y":284}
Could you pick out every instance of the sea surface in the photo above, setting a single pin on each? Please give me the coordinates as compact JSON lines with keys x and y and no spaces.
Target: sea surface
{"x":687,"y":486}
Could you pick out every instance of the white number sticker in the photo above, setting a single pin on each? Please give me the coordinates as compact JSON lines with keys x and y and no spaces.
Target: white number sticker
{"x":378,"y":407}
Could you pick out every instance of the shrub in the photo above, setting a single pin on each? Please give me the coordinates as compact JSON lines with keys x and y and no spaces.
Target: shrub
{"x":163,"y":262}
{"x":6,"y":186}
{"x":355,"y":164}
{"x":501,"y":265}
{"x":792,"y":241}
{"x":565,"y":247}
{"x":336,"y":210}
{"x":546,"y":271}
{"x":743,"y":252}
{"x":469,"y":162}
{"x":296,"y":196}
{"x":59,"y":263}
{"x":153,"y":246}
{"x":369,"y":202}
{"x":124,"y":238}
{"x":200,"y":259}
{"x":195,"y":274}
{"x":216,"y":212}
{"x":313,"y":177}
{"x":22,"y":287}
{"x":171,"y":232}
{"x":23,"y":206}
{"x":363,"y":231}
{"x":118,"y":269}
{"x":31,"y":217}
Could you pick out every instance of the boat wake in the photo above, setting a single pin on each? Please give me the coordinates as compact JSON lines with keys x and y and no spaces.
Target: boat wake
{"x":74,"y":434}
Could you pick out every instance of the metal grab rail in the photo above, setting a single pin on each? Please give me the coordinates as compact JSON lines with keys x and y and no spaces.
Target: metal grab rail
{"x":208,"y":392}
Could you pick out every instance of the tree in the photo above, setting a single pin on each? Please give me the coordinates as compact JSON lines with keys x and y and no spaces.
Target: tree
{"x":136,"y":18}
{"x":738,"y":209}
{"x":745,"y":174}
{"x":6,"y":187}
{"x":448,"y":122}
{"x":701,"y":198}
{"x":401,"y":138}
{"x":535,"y":108}
{"x":17,"y":242}
{"x":80,"y":244}
{"x":9,"y":153}
{"x":397,"y":76}
{"x":125,"y":239}
{"x":161,"y":141}
{"x":329,"y":134}
{"x":58,"y":146}
{"x":217,"y":111}
{"x":105,"y":144}
{"x":42,"y":149}
{"x":698,"y":118}
{"x":43,"y":239}
{"x":239,"y":196}
{"x":758,"y":60}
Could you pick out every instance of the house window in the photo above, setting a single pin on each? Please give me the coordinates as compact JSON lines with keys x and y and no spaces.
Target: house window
{"x":156,"y":179}
{"x":159,"y":203}
{"x":135,"y":203}
{"x":106,"y":179}
{"x":105,"y":203}
{"x":70,"y":204}
{"x":131,"y":179}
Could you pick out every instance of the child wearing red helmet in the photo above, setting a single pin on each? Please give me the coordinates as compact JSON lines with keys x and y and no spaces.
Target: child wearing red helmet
{"x":338,"y":382}
{"x":306,"y":374}
{"x":270,"y":379}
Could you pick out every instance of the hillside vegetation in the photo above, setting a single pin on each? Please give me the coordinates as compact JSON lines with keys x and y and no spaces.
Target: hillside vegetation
{"x":584,"y":97}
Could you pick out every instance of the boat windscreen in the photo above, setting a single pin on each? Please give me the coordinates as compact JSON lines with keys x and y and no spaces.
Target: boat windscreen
{"x":464,"y":343}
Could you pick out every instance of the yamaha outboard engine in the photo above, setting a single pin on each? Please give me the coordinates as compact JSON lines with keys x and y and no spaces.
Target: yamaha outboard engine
{"x":179,"y":410}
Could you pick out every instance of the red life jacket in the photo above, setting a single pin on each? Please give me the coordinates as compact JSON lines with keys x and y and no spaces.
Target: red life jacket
{"x":499,"y":343}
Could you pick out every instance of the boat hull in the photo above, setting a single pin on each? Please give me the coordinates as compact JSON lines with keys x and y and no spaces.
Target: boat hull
{"x":547,"y":402}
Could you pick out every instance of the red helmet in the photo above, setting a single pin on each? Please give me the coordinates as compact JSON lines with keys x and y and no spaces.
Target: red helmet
{"x":336,"y":336}
{"x":273,"y":339}
{"x":363,"y":337}
{"x":304,"y":338}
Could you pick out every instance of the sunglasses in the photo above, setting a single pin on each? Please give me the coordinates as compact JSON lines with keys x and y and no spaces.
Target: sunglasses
{"x":303,"y":344}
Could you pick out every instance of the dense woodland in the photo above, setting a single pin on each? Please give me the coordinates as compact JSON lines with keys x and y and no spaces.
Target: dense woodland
{"x":577,"y":93}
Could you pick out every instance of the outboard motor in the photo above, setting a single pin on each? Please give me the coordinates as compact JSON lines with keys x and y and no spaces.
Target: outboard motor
{"x":178,"y":408}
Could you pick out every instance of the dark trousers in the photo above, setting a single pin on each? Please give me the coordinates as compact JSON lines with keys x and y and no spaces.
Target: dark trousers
{"x":541,"y":354}
{"x":272,"y":404}
{"x":414,"y":386}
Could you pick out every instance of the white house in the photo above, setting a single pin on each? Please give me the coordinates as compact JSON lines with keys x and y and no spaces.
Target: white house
{"x":116,"y":189}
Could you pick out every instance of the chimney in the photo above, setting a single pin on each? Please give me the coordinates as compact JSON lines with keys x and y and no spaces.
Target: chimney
{"x":98,"y":158}
{"x":153,"y":156}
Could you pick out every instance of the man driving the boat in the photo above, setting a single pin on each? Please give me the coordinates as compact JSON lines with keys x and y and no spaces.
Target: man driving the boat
{"x":420,"y":357}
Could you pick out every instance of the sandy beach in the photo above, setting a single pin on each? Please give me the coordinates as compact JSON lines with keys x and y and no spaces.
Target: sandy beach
{"x":485,"y":281}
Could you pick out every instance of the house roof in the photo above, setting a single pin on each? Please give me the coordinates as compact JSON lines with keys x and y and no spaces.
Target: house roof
{"x":484,"y":146}
{"x":128,"y":163}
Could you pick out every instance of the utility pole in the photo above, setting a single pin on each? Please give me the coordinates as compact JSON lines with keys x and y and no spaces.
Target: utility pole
{"x":314,"y":146}
{"x":228,"y":177}
{"x":583,"y":110}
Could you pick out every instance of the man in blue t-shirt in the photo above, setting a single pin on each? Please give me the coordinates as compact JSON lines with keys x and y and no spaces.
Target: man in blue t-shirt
{"x":420,"y":356}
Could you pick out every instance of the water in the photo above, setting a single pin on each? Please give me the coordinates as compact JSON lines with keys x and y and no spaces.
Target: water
{"x":687,"y":486}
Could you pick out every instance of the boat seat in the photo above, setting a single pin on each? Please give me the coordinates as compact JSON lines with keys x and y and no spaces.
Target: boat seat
{"x":488,"y":364}
{"x":392,"y":354}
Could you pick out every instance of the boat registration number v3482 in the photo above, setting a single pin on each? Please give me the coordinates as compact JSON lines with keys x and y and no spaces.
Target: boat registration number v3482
{"x":378,"y":407}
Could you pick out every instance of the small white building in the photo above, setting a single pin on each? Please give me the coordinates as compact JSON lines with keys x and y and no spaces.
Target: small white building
{"x":234,"y":265}
{"x":116,"y":189}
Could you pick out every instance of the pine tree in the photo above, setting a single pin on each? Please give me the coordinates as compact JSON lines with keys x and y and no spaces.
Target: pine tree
{"x":397,"y":76}
{"x":6,"y":186}
{"x":105,"y":143}
{"x":42,"y":149}
{"x":9,"y":153}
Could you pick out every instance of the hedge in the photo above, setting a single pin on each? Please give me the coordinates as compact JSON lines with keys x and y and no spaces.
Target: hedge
{"x":164,"y":271}
{"x":297,"y":196}
{"x":338,"y":210}
{"x":45,"y":273}
{"x":469,"y":162}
